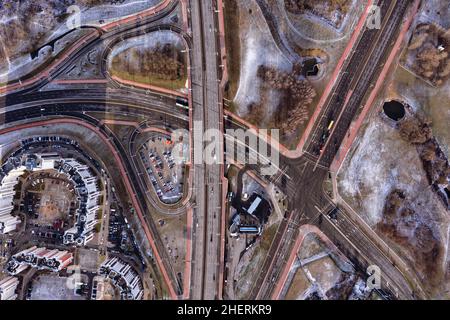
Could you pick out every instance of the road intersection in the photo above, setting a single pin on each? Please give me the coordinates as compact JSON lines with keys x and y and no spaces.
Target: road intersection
{"x":30,"y":103}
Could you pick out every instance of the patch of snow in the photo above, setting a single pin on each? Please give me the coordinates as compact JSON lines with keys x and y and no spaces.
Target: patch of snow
{"x":360,"y":291}
{"x":381,"y":162}
{"x":24,"y":64}
{"x":91,"y":16}
{"x":149,"y":41}
{"x":257,"y":48}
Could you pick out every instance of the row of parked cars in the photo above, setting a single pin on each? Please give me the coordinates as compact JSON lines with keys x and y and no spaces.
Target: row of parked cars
{"x":154,"y":165}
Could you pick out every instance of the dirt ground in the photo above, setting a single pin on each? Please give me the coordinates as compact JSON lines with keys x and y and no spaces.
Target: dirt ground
{"x":311,"y":246}
{"x":315,"y":272}
{"x":110,"y":292}
{"x":300,"y":283}
{"x":324,"y":272}
{"x":245,"y":271}
{"x":232,"y":21}
{"x":173,"y":235}
{"x":55,"y":201}
{"x":52,"y":287}
{"x":88,"y":259}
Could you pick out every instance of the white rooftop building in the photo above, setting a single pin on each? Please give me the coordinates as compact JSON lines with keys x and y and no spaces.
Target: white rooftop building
{"x":88,"y":194}
{"x":123,"y":276}
{"x":40,"y":258}
{"x":8,"y":222}
{"x":8,"y":288}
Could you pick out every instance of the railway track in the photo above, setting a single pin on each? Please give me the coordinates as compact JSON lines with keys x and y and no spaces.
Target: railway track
{"x":353,"y":66}
{"x":204,"y":117}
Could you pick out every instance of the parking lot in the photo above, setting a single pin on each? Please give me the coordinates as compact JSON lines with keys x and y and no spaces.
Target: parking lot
{"x":164,"y":173}
{"x":52,"y":287}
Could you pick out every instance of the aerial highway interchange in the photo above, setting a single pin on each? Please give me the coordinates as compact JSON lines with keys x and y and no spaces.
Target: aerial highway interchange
{"x":127,"y":128}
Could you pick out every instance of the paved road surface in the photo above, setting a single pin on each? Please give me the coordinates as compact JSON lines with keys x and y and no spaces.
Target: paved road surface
{"x":207,"y":177}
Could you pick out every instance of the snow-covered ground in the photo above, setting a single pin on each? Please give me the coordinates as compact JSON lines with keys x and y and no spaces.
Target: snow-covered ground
{"x":21,"y":64}
{"x":257,"y":48}
{"x":24,"y":65}
{"x":312,"y":26}
{"x":433,"y":101}
{"x":110,"y":12}
{"x":438,"y":11}
{"x":318,"y":268}
{"x":103,"y":14}
{"x":420,"y":95}
{"x":149,"y":41}
{"x":379,"y":163}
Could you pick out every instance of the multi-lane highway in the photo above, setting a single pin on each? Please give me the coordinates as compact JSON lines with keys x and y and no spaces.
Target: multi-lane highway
{"x":207,"y":175}
{"x":33,"y":101}
{"x":302,"y":179}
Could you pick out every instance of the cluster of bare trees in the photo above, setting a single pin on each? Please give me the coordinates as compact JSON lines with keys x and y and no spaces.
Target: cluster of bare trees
{"x":256,"y":113}
{"x":419,"y":133}
{"x":298,"y":95}
{"x":299,"y":6}
{"x":327,"y":9}
{"x":435,"y":163}
{"x":98,"y":2}
{"x":3,"y":55}
{"x":26,"y":24}
{"x":162,"y":61}
{"x":430,"y":48}
{"x":402,"y":224}
{"x":415,"y":131}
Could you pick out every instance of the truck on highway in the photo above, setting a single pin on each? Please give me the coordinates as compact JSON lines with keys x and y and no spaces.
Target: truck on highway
{"x":325,"y":135}
{"x":330,"y":125}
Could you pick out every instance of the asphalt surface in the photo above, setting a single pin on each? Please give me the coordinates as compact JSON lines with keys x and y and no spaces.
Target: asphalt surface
{"x":34,"y":103}
{"x":207,"y":177}
{"x":42,"y":110}
{"x":304,"y":177}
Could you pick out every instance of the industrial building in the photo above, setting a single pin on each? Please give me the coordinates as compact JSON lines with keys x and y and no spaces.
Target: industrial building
{"x":251,"y":216}
{"x":8,"y":288}
{"x":40,"y":258}
{"x":258,"y":207}
{"x":123,"y":276}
